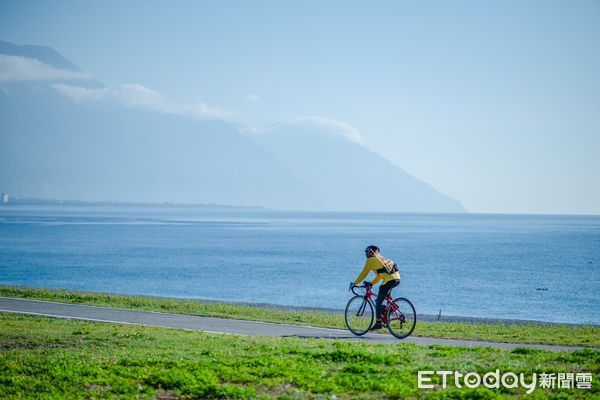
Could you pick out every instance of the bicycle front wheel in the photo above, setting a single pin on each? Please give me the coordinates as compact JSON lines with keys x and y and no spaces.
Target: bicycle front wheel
{"x":359,"y":315}
{"x":401,"y":318}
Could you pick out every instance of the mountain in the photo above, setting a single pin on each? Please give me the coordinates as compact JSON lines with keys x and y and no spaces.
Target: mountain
{"x":44,"y":54}
{"x":57,"y":143}
{"x":48,"y":56}
{"x":347,"y":175}
{"x":53,"y":147}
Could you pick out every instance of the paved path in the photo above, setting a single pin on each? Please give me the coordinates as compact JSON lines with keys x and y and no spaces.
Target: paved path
{"x":227,"y":326}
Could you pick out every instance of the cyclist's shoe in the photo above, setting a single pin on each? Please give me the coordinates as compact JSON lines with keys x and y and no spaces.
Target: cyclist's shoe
{"x":377,"y":325}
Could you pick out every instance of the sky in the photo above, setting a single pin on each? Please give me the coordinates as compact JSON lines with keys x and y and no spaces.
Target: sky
{"x":496,"y":104}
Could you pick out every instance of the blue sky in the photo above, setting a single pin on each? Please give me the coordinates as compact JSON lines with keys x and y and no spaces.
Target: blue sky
{"x":494,"y":103}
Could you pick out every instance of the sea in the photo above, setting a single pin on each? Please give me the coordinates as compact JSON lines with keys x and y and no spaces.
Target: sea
{"x":526,"y":267}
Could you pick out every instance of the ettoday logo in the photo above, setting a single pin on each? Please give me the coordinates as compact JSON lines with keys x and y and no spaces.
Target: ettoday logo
{"x":509,"y":380}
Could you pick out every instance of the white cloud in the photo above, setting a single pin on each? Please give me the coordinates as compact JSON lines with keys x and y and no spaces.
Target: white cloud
{"x":17,"y":68}
{"x":324,"y":125}
{"x":79,"y":94}
{"x":253,"y":98}
{"x":140,"y":96}
{"x":203,"y":110}
{"x":135,"y":95}
{"x":332,"y":125}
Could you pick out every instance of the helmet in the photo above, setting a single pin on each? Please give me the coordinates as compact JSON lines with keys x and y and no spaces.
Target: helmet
{"x":370,"y":251}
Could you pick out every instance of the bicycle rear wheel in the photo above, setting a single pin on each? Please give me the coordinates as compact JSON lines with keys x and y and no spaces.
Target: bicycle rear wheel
{"x":359,"y":315}
{"x":401,"y":318}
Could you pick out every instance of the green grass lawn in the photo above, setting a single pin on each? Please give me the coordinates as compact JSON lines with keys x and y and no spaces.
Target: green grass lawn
{"x":586,"y":336}
{"x":61,"y":359}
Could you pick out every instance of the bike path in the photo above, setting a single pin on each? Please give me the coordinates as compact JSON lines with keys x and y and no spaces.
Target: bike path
{"x":228,"y":326}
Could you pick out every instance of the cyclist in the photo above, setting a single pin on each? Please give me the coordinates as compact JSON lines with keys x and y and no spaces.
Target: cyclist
{"x":386,"y":270}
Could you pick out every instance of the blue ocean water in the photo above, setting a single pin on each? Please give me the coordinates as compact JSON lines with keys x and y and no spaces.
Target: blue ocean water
{"x":465,"y":265}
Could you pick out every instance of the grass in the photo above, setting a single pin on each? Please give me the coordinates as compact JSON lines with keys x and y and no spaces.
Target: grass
{"x":61,"y":359}
{"x":553,"y":334}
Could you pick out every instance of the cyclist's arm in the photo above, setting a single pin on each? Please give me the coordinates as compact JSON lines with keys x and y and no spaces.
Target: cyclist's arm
{"x":376,"y":280}
{"x":363,"y":274}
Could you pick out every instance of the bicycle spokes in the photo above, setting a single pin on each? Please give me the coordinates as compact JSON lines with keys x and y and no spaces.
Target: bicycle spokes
{"x":402,"y":318}
{"x":359,"y":315}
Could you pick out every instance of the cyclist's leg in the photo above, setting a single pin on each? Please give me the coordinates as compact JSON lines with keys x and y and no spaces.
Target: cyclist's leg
{"x":384,"y":290}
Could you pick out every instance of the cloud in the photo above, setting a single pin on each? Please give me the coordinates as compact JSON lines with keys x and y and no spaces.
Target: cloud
{"x":135,"y":95}
{"x":17,"y":68}
{"x":333,"y":125}
{"x":140,"y":96}
{"x":80,"y":94}
{"x":324,"y":125}
{"x":253,"y":98}
{"x":202,"y":110}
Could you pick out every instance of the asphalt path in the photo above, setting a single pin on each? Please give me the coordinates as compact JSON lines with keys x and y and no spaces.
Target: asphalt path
{"x":228,"y":326}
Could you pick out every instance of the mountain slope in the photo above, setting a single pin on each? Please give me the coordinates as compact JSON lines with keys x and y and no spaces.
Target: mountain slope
{"x":347,"y":175}
{"x":49,"y":57}
{"x":44,"y":54}
{"x":52,"y":148}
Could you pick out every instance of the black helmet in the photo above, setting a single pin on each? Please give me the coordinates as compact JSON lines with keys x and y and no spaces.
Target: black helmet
{"x":370,"y":250}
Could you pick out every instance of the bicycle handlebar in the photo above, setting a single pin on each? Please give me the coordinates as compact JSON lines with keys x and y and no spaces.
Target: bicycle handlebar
{"x":365,"y":286}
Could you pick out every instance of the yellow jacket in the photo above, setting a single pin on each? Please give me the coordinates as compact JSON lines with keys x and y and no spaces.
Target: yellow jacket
{"x":374,"y":264}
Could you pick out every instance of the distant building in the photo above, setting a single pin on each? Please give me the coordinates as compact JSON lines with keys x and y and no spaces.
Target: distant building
{"x":4,"y":198}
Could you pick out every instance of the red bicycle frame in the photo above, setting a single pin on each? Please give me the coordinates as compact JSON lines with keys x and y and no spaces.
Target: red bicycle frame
{"x":389,"y":303}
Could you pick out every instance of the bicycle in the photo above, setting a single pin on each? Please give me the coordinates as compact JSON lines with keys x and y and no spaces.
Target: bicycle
{"x":399,"y":314}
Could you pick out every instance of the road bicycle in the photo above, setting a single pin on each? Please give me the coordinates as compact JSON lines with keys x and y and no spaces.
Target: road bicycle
{"x":399,"y":314}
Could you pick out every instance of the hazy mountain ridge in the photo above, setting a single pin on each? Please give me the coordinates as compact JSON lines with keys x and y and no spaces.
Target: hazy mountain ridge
{"x":53,"y":147}
{"x":48,"y":56}
{"x":99,"y":151}
{"x":348,"y":176}
{"x":44,"y":54}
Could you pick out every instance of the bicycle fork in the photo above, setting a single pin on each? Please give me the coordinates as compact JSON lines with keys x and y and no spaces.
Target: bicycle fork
{"x":361,"y":309}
